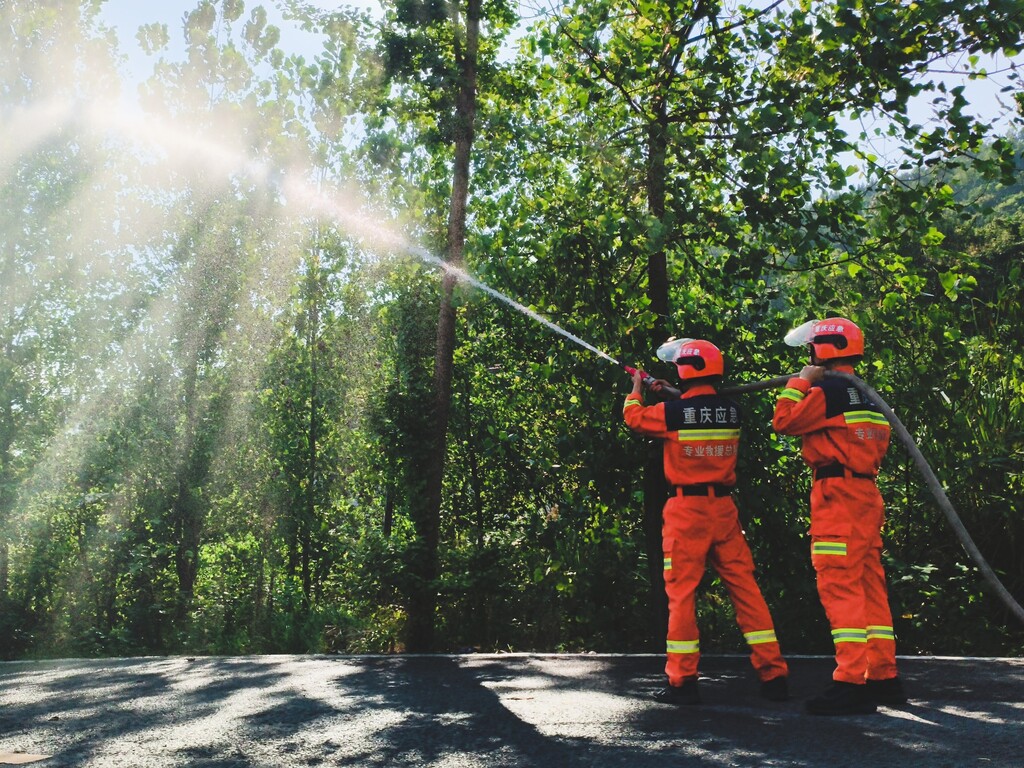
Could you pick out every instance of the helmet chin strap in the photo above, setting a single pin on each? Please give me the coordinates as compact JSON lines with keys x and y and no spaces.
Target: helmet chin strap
{"x":815,"y":360}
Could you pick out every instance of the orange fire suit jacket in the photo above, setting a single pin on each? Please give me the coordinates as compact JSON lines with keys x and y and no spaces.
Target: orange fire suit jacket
{"x":844,"y":437}
{"x":837,"y":423}
{"x":700,"y":435}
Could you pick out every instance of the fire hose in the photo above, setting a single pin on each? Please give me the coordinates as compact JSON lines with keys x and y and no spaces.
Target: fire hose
{"x":915,"y":453}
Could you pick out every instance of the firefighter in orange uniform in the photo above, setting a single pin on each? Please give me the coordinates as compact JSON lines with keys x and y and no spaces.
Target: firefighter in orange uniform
{"x":700,"y":433}
{"x":844,"y":437}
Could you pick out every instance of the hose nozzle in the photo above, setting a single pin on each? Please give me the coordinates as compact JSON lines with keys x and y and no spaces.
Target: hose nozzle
{"x":644,"y":375}
{"x":649,"y":382}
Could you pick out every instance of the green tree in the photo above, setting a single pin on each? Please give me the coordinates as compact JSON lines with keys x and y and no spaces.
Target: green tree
{"x":438,"y":52}
{"x":758,"y":193}
{"x":226,"y":427}
{"x":54,"y":309}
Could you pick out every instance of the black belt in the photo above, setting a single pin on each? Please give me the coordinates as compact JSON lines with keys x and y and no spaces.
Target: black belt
{"x":704,"y":489}
{"x":838,"y":470}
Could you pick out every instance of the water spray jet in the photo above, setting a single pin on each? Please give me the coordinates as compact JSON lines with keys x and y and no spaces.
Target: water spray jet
{"x":931,"y":481}
{"x":193,"y":150}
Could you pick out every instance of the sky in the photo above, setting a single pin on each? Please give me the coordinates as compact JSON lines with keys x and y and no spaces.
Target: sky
{"x":126,"y":16}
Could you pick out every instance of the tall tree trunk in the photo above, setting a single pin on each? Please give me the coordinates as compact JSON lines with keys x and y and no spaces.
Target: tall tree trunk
{"x":655,"y":489}
{"x":312,"y":457}
{"x":389,"y":510}
{"x":7,"y":493}
{"x":185,"y":507}
{"x":420,"y":630}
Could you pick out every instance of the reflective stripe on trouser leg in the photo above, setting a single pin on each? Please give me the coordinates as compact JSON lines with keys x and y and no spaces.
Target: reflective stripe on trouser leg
{"x":881,"y":637}
{"x":881,"y":652}
{"x":765,"y":655}
{"x":849,"y":635}
{"x":881,"y":633}
{"x":684,"y":568}
{"x":762,"y":636}
{"x":682,"y":658}
{"x":839,"y":564}
{"x":837,"y":548}
{"x":682,"y":646}
{"x":851,"y":654}
{"x":852,"y":587}
{"x":730,"y":557}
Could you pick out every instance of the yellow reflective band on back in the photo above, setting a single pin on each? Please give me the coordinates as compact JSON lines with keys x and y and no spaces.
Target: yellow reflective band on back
{"x":881,"y":633}
{"x":709,"y":434}
{"x":668,"y":563}
{"x":849,"y":635}
{"x":792,"y":394}
{"x":762,"y":636}
{"x":682,"y":646}
{"x":864,"y":417}
{"x":829,"y":548}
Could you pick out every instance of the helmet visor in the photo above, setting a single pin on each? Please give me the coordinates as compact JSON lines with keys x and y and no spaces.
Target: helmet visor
{"x":669,"y":351}
{"x":801,"y":335}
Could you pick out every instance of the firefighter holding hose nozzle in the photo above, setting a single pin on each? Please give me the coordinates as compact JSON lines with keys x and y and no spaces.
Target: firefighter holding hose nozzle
{"x":700,"y":432}
{"x":844,"y":437}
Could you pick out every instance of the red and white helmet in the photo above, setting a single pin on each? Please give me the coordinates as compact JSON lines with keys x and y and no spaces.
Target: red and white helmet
{"x":693,"y":358}
{"x":831,"y":338}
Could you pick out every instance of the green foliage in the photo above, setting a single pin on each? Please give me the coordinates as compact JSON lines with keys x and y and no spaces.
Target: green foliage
{"x":214,"y":428}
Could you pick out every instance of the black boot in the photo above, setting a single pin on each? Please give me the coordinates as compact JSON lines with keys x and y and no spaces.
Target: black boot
{"x":888,"y":692}
{"x":679,"y":695}
{"x":842,"y":699}
{"x":776,"y":689}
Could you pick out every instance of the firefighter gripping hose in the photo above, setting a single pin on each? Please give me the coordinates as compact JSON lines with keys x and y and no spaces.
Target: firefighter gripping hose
{"x":905,"y":438}
{"x":800,"y":336}
{"x":938,"y":492}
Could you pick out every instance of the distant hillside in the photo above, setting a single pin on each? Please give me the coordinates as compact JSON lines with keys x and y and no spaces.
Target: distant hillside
{"x":987,"y":196}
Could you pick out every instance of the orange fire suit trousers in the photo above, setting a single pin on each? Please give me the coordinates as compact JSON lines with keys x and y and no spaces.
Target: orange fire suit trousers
{"x":846,"y":546}
{"x":698,"y":530}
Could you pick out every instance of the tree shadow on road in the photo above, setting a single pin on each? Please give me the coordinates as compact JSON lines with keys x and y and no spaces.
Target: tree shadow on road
{"x":562,"y":711}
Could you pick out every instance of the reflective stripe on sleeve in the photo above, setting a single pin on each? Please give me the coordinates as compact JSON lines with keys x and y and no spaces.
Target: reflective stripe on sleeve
{"x":668,"y":563}
{"x":792,"y":394}
{"x":761,"y":636}
{"x":631,"y":401}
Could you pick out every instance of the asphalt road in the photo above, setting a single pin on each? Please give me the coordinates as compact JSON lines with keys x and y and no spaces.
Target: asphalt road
{"x":562,"y":711}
